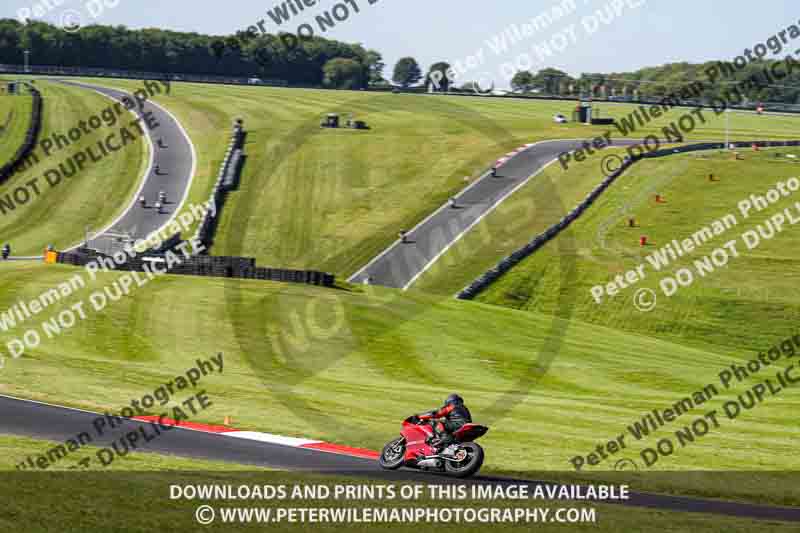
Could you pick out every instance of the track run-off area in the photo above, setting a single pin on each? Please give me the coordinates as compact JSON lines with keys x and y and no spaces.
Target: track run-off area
{"x":51,"y":422}
{"x":399,"y":266}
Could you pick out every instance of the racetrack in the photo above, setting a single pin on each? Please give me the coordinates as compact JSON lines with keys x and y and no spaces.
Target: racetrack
{"x":402,"y":263}
{"x":399,"y":266}
{"x":39,"y":420}
{"x":177,"y":161}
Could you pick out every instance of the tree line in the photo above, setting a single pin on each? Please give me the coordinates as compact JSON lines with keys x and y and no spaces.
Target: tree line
{"x":663,"y":81}
{"x":317,"y":61}
{"x":703,"y":83}
{"x":314,"y":61}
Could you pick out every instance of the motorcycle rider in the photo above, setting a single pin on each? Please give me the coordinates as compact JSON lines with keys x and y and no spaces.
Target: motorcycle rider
{"x":447,"y":420}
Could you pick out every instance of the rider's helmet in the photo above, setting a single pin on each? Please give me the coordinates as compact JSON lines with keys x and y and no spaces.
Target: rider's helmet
{"x":454,"y":399}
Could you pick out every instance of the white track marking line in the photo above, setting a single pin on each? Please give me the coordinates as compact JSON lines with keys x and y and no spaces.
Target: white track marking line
{"x":142,"y":182}
{"x":460,"y":193}
{"x":189,"y":184}
{"x":248,"y":435}
{"x":294,"y":442}
{"x":475,"y":222}
{"x":26,"y":400}
{"x":99,"y":415}
{"x":134,"y":201}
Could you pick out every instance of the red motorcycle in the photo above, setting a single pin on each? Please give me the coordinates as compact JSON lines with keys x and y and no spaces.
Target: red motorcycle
{"x":413,"y":449}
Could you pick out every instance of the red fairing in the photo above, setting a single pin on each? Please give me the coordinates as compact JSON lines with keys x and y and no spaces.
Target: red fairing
{"x":416,"y":437}
{"x":461,"y":458}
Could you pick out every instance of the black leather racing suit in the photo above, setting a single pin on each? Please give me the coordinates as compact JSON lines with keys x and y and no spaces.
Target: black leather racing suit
{"x":453,"y":416}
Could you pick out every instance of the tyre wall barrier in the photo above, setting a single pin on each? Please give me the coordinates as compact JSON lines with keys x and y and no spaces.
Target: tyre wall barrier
{"x":204,"y":265}
{"x":488,"y":278}
{"x":207,"y":265}
{"x":31,"y":137}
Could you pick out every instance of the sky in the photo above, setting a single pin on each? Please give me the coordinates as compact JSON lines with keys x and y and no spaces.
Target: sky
{"x":572,"y":35}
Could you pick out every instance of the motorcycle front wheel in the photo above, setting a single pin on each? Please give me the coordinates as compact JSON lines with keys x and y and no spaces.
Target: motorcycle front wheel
{"x":393,"y":454}
{"x":470,"y":457}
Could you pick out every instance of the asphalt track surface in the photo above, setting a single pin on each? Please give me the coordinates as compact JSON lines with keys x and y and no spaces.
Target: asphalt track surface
{"x":402,"y":263}
{"x":58,"y":424}
{"x":177,"y":165}
{"x":398,"y":266}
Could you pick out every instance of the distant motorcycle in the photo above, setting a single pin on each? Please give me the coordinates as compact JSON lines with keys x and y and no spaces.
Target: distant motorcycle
{"x":413,"y":449}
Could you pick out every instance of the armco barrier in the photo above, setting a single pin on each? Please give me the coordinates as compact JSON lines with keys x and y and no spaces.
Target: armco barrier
{"x":227,"y":180}
{"x":31,"y":137}
{"x":204,"y":265}
{"x":51,"y":70}
{"x":484,"y":281}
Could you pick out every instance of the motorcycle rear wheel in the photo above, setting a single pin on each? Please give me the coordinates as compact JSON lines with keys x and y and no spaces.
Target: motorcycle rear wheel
{"x":471,"y":463}
{"x":393,"y":454}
